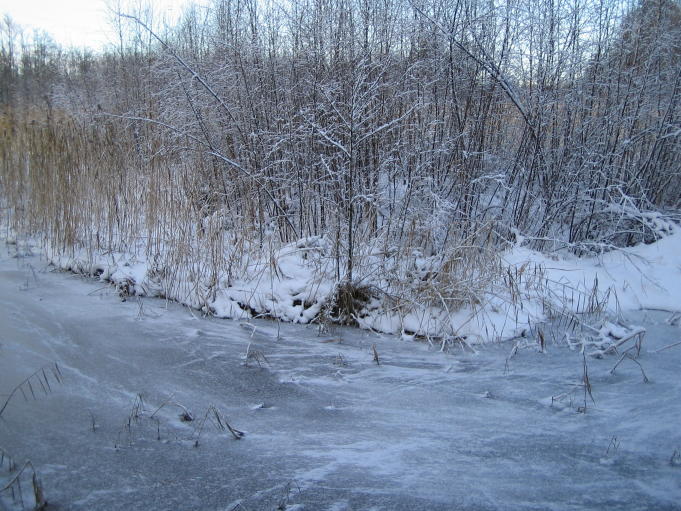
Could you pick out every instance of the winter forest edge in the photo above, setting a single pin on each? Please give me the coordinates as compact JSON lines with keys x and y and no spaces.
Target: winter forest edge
{"x":368,"y":163}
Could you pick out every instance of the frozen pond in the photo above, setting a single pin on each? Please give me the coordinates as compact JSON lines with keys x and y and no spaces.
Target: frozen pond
{"x":325,"y":426}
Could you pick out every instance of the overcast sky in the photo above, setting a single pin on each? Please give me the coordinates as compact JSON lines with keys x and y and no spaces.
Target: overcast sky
{"x":76,"y":22}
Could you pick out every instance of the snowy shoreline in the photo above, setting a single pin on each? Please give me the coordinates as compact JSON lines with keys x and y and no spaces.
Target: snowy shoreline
{"x":293,"y":285}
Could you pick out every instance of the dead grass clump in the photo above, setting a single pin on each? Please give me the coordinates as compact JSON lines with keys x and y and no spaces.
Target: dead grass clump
{"x":219,"y":421}
{"x":126,"y":289}
{"x":349,"y":302}
{"x":254,"y":355}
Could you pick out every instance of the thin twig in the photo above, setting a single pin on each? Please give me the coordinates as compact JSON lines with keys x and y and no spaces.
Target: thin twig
{"x":667,"y":347}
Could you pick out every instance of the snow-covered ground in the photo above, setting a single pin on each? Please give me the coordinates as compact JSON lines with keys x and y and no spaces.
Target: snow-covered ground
{"x":326,"y":427}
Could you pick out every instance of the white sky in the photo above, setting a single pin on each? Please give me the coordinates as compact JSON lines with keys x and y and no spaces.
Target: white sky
{"x":77,"y":22}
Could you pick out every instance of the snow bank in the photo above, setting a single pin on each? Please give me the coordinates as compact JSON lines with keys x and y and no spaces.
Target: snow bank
{"x":296,"y":284}
{"x":291,"y":284}
{"x":640,"y":277}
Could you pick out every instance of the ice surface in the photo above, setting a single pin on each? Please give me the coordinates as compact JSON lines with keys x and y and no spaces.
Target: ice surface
{"x":325,"y":426}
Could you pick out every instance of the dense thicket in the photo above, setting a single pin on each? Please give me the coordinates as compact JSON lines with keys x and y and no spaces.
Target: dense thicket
{"x":400,"y":128}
